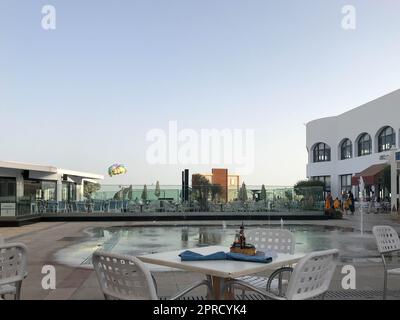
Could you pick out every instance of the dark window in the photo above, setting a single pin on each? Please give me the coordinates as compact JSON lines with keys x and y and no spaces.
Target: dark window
{"x":322,"y":153}
{"x":40,"y":190}
{"x":345,"y":182}
{"x":68,"y":192}
{"x":364,"y":145}
{"x":49,"y":189}
{"x":8,"y":190}
{"x":346,"y":150}
{"x":326,"y":180}
{"x":386,"y":139}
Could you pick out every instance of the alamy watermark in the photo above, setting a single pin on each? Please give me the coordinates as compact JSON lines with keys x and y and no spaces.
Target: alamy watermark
{"x":49,"y":17}
{"x":349,"y":280}
{"x":49,"y":280}
{"x":349,"y":20}
{"x":228,"y":147}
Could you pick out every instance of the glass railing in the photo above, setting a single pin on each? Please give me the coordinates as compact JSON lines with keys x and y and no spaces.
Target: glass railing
{"x":168,"y":199}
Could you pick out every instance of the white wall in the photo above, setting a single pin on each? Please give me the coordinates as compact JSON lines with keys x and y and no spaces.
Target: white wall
{"x":369,"y":118}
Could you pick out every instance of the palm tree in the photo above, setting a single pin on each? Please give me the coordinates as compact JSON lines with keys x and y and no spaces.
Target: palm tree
{"x":216,"y":190}
{"x":201,"y":189}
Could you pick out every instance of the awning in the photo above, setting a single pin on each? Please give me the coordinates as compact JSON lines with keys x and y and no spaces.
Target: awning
{"x":370,"y":175}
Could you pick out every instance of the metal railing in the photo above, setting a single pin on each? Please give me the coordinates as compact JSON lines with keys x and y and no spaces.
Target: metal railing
{"x":132,"y":199}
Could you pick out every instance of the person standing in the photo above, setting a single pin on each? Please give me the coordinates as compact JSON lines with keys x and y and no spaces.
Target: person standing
{"x":337,"y":204}
{"x":346,"y":206}
{"x":351,"y":203}
{"x":328,"y":203}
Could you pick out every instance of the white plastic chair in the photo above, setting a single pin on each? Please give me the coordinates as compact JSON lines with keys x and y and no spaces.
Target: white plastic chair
{"x":310,"y":278}
{"x":278,"y":240}
{"x":388,"y":242}
{"x":123,"y":277}
{"x":13,"y":259}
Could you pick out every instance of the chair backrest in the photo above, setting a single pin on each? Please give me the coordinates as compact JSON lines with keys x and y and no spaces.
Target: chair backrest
{"x":312,"y":275}
{"x":279,"y":240}
{"x":120,"y":205}
{"x":123,"y":277}
{"x":113,"y":205}
{"x":13,"y":258}
{"x":62,"y":205}
{"x":81,"y":206}
{"x":74,"y":206}
{"x":97,"y":206}
{"x":52,"y":206}
{"x":387,"y":239}
{"x":106,"y":206}
{"x":125,"y":204}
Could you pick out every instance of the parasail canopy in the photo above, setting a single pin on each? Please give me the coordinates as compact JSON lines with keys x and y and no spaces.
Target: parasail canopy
{"x":116,"y":169}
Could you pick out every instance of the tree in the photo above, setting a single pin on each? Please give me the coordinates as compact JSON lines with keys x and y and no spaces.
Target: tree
{"x":308,"y":184}
{"x":201,"y":189}
{"x":242,"y":196}
{"x":124,"y":193}
{"x":216,"y":190}
{"x":119,"y":195}
{"x":157,"y":192}
{"x":130,"y":193}
{"x":311,"y":190}
{"x":144,"y":193}
{"x":289,"y":198}
{"x":89,"y":188}
{"x":263,"y":193}
{"x":289,"y":195}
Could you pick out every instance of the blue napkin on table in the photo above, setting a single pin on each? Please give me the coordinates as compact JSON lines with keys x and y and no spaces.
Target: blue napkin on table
{"x":268,"y":253}
{"x":244,"y":257}
{"x":193,"y":256}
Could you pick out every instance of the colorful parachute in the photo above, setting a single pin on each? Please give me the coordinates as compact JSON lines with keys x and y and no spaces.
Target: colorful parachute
{"x":116,"y":169}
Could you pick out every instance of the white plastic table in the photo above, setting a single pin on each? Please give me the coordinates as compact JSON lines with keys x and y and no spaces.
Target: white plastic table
{"x":218,"y":270}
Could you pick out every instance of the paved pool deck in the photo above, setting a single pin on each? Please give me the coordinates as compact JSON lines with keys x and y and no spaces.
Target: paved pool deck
{"x":44,"y":239}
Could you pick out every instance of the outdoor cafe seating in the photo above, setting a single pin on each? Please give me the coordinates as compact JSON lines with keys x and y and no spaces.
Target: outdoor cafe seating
{"x":123,"y":277}
{"x":310,"y":277}
{"x":388,"y":243}
{"x":13,"y":261}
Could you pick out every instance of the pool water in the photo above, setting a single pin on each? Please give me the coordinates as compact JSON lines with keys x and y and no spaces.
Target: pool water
{"x":151,"y":239}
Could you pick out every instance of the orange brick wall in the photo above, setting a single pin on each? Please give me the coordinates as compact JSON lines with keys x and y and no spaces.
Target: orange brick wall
{"x":220,"y":176}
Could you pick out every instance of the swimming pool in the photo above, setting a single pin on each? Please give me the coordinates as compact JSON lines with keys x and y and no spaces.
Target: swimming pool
{"x":134,"y":240}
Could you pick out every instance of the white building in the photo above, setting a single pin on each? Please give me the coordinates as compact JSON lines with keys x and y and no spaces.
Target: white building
{"x":28,"y":183}
{"x":395,"y":162}
{"x":355,"y":143}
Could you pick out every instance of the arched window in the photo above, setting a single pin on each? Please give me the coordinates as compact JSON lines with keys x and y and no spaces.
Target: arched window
{"x":364,"y":145}
{"x":346,"y":149}
{"x":322,"y":152}
{"x":386,"y":139}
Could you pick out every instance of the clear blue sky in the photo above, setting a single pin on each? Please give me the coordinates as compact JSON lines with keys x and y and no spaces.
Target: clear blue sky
{"x":84,"y":95}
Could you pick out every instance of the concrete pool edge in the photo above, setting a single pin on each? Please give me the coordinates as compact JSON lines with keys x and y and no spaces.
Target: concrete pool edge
{"x":198,"y":216}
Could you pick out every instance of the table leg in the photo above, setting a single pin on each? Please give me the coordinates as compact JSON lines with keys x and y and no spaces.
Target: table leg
{"x":217,"y":285}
